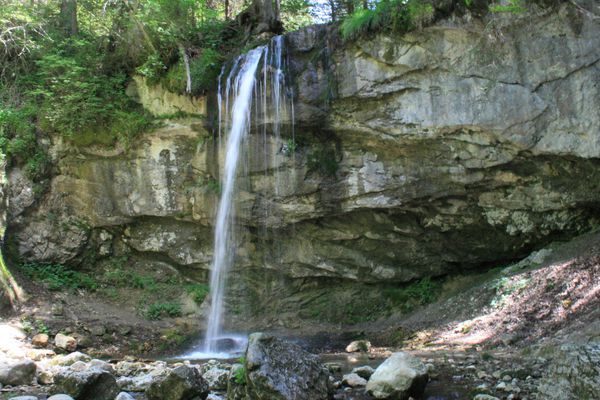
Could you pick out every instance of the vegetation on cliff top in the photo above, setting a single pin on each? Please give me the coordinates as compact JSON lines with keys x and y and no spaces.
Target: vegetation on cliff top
{"x":65,"y":65}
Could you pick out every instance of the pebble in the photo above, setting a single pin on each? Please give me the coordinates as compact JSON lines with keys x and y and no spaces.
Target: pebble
{"x":482,"y":375}
{"x":485,"y":397}
{"x":60,"y":397}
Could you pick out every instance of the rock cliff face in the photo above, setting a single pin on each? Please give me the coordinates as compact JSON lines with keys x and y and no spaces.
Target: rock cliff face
{"x":463,"y":144}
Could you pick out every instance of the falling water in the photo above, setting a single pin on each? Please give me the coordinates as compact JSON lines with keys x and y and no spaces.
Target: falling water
{"x":242,"y":88}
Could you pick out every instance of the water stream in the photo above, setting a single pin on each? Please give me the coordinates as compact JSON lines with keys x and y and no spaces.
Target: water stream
{"x":251,"y":93}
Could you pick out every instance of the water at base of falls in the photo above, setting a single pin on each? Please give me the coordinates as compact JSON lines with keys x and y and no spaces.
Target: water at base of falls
{"x":227,"y":346}
{"x":251,"y":89}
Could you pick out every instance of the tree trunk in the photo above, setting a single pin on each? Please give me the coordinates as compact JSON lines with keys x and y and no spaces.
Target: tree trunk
{"x":266,"y":14}
{"x":226,"y":9}
{"x":332,"y":6}
{"x":68,"y":17}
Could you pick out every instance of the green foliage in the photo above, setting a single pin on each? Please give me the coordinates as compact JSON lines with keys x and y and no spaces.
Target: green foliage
{"x":513,"y":7}
{"x":57,"y":277}
{"x":295,"y":14}
{"x":240,"y":373}
{"x":172,"y":338}
{"x":198,"y":291}
{"x":158,"y":311}
{"x":153,"y":68}
{"x":289,"y":148}
{"x":395,"y":16}
{"x":41,"y":327}
{"x":204,"y":70}
{"x":18,"y":141}
{"x":78,"y":101}
{"x":420,"y":293}
{"x":117,"y":275}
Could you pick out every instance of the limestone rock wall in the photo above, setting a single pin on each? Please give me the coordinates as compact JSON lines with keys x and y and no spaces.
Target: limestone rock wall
{"x":463,"y":144}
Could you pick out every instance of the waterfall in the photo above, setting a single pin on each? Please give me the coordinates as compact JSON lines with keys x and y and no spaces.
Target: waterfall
{"x":248,"y":94}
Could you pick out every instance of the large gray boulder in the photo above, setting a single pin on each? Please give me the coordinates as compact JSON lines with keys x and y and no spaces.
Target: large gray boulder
{"x":90,"y":384}
{"x":216,"y":375}
{"x":181,"y":383}
{"x":573,"y":373}
{"x":17,"y":373}
{"x":278,"y":370}
{"x":399,"y":377}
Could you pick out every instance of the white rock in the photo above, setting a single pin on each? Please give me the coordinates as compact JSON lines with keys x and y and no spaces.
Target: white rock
{"x":124,"y":396}
{"x":65,"y":342}
{"x":358,"y":345}
{"x":60,"y":397}
{"x":353,"y":380}
{"x":401,"y":375}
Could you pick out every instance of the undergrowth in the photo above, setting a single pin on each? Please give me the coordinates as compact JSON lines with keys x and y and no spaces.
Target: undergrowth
{"x":57,"y":277}
{"x":157,"y":311}
{"x":420,"y":293}
{"x":198,"y":291}
{"x":387,"y":16}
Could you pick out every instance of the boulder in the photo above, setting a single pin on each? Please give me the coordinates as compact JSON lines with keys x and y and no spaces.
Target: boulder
{"x":90,"y":384}
{"x":17,"y":373}
{"x":65,"y":342}
{"x":353,"y":380}
{"x":573,"y":373}
{"x":358,"y":345}
{"x":485,"y":397}
{"x":40,"y":340}
{"x":181,"y":383}
{"x":398,"y":378}
{"x":278,"y":370}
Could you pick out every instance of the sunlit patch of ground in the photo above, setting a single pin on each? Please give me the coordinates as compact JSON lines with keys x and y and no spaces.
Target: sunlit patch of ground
{"x":527,"y":303}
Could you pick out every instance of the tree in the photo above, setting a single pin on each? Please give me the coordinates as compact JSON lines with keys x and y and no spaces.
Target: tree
{"x":68,"y":17}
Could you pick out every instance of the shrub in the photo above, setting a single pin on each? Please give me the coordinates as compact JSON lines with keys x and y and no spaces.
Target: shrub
{"x":158,"y":311}
{"x":387,"y":16}
{"x":513,"y":7}
{"x":198,"y":291}
{"x":79,"y":102}
{"x":423,"y":292}
{"x":18,"y":140}
{"x":58,"y":277}
{"x":240,"y":373}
